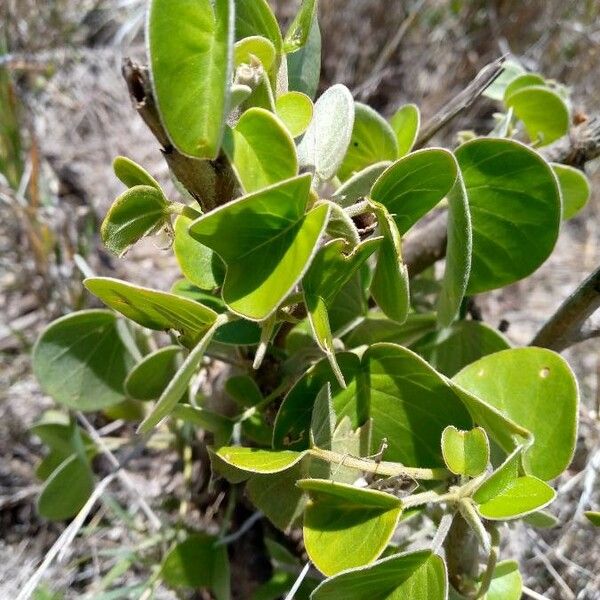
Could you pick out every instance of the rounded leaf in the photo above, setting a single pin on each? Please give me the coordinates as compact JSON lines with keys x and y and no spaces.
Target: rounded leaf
{"x":190,"y":45}
{"x":543,"y":112}
{"x":138,"y":212}
{"x":149,"y":378}
{"x":507,"y":583}
{"x":523,"y":81}
{"x":254,"y":46}
{"x":413,"y":185}
{"x":405,"y":123}
{"x":535,"y":388}
{"x":574,"y":187}
{"x":131,"y":174}
{"x":66,"y":490}
{"x":295,"y":110}
{"x":81,"y":361}
{"x":338,"y":515}
{"x":515,"y":210}
{"x":373,"y":140}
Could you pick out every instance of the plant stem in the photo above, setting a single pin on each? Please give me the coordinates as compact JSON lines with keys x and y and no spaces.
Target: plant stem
{"x":427,"y":498}
{"x":390,"y":469}
{"x":358,"y":209}
{"x":178,"y":208}
{"x":491,"y":563}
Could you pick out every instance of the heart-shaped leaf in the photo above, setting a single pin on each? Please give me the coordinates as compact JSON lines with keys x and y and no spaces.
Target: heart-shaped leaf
{"x":256,"y":46}
{"x":465,"y":452}
{"x":198,"y":263}
{"x":304,"y":65}
{"x":464,"y":342}
{"x":149,"y":378}
{"x":543,"y":112}
{"x":295,"y":110}
{"x":359,"y":185}
{"x":338,"y":515}
{"x":66,"y":490}
{"x":154,"y":309}
{"x":261,"y":150}
{"x":297,"y":34}
{"x":211,"y":565}
{"x":327,"y":138}
{"x":190,"y":47}
{"x":373,"y":141}
{"x":515,"y":210}
{"x":535,"y":388}
{"x":137,"y":212}
{"x":81,"y":361}
{"x":390,"y":286}
{"x":414,"y":575}
{"x":574,"y":187}
{"x":131,"y":174}
{"x":267,"y":241}
{"x":458,"y":254}
{"x":405,"y":123}
{"x":413,"y":185}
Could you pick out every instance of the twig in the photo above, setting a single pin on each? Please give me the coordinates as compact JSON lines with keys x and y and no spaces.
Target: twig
{"x":246,"y":526}
{"x":460,"y":102}
{"x":533,"y":594}
{"x":564,"y":327}
{"x":290,"y":595}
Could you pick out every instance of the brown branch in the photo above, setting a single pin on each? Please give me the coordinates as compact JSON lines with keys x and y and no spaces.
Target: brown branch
{"x":564,"y":328}
{"x":210,"y":182}
{"x":427,"y":244}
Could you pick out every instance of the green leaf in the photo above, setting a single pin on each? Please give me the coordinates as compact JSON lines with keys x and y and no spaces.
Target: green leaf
{"x":304,"y":66}
{"x":515,"y":210}
{"x":416,"y":576}
{"x":507,"y":583}
{"x":359,"y":185}
{"x":154,"y":309}
{"x":593,"y":517}
{"x":376,"y":327}
{"x":522,"y":496}
{"x":297,"y":34}
{"x":411,"y":405}
{"x":197,"y":262}
{"x":137,"y":212}
{"x":66,"y":490}
{"x":244,"y":390}
{"x":131,"y":174}
{"x":328,"y":136}
{"x":254,"y":460}
{"x":341,"y":225}
{"x":541,"y":519}
{"x":338,"y":515}
{"x":462,"y":343}
{"x":543,"y":112}
{"x":465,"y":452}
{"x":267,"y":241}
{"x":149,"y":378}
{"x":81,"y":361}
{"x":221,"y":427}
{"x":255,"y":17}
{"x":390,"y":286}
{"x":459,"y":249}
{"x":413,"y":185}
{"x":292,"y":424}
{"x":295,"y":110}
{"x":179,"y":383}
{"x":574,"y":187}
{"x":198,"y":563}
{"x":255,"y":46}
{"x":405,"y":123}
{"x":373,"y":141}
{"x":502,"y":478}
{"x":322,"y":425}
{"x":261,"y":150}
{"x":190,"y":44}
{"x":523,"y":81}
{"x":535,"y":388}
